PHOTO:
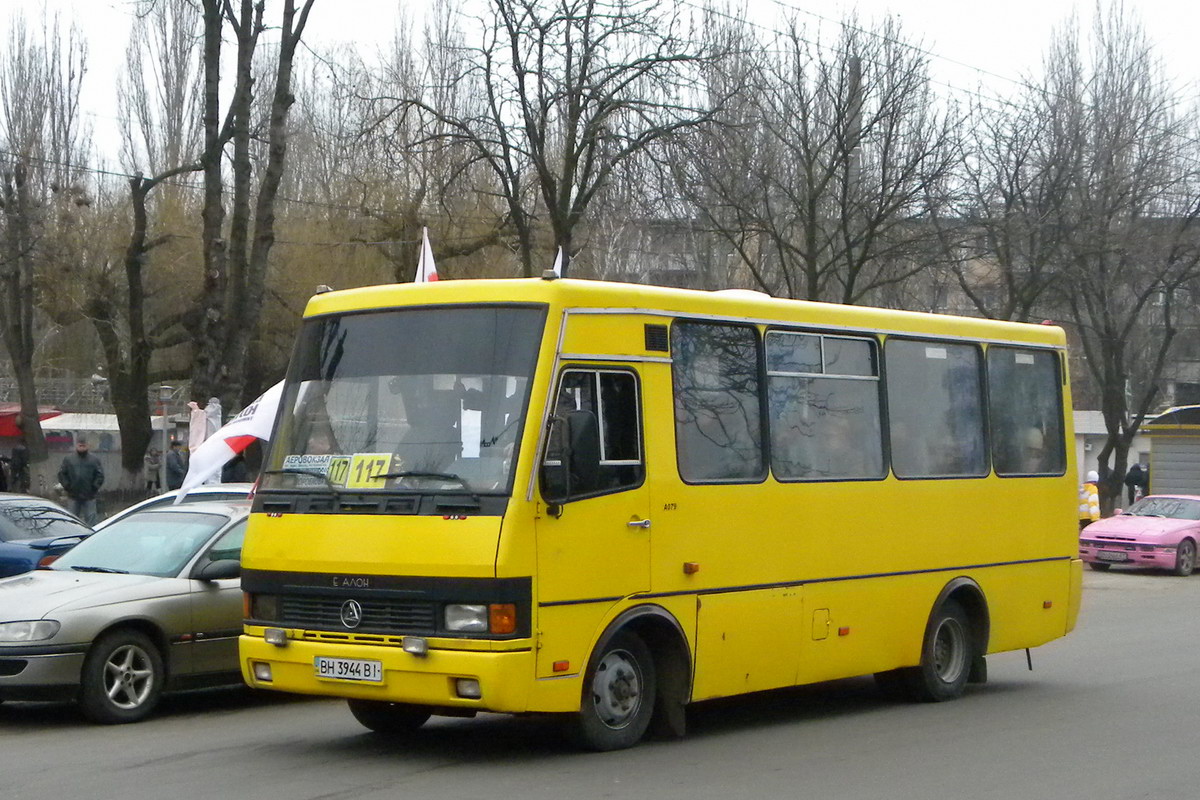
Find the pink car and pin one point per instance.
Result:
(1157, 531)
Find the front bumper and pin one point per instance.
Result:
(1130, 555)
(430, 680)
(40, 672)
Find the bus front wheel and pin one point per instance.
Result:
(618, 695)
(388, 718)
(945, 656)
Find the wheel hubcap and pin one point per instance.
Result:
(949, 651)
(617, 689)
(128, 676)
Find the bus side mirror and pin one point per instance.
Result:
(555, 474)
(577, 469)
(583, 433)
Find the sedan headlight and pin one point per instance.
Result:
(28, 631)
(467, 618)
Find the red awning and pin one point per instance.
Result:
(9, 413)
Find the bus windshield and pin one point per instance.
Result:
(425, 399)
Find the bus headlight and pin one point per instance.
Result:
(498, 618)
(465, 618)
(264, 607)
(28, 631)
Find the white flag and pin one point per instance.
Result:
(557, 268)
(426, 269)
(254, 422)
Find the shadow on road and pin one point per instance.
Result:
(203, 701)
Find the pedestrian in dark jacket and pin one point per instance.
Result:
(81, 476)
(1137, 482)
(236, 470)
(19, 468)
(176, 469)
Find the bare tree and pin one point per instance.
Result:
(1001, 234)
(236, 260)
(568, 91)
(40, 171)
(404, 170)
(159, 95)
(823, 185)
(1130, 220)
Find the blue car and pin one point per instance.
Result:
(33, 529)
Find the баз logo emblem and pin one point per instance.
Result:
(351, 614)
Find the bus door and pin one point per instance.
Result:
(593, 538)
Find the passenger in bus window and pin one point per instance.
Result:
(1033, 451)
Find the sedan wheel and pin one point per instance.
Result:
(1185, 558)
(122, 678)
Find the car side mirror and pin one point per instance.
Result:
(220, 570)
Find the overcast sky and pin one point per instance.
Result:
(975, 40)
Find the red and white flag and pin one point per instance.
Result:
(426, 269)
(254, 422)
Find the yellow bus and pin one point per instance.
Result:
(610, 501)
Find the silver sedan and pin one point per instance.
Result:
(152, 602)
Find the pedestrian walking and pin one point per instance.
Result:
(153, 461)
(81, 476)
(176, 469)
(1137, 483)
(18, 467)
(1089, 500)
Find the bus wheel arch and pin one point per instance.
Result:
(967, 593)
(954, 644)
(667, 647)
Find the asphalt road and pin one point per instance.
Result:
(1108, 712)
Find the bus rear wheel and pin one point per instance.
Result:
(388, 718)
(618, 695)
(945, 656)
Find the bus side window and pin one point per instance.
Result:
(1025, 407)
(597, 416)
(935, 409)
(718, 402)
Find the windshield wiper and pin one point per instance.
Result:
(101, 569)
(441, 476)
(410, 473)
(297, 471)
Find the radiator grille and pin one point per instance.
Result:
(378, 615)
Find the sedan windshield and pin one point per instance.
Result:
(146, 543)
(1171, 507)
(422, 399)
(23, 520)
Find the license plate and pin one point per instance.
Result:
(1111, 555)
(349, 669)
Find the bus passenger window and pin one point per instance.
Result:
(823, 398)
(1025, 408)
(718, 424)
(935, 409)
(599, 414)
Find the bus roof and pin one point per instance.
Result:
(566, 293)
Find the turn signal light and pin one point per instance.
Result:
(502, 618)
(46, 561)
